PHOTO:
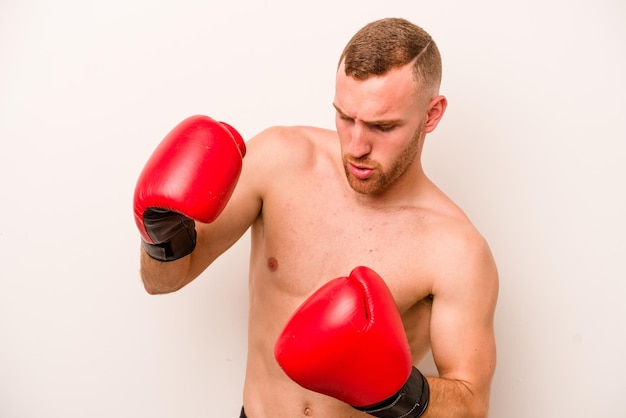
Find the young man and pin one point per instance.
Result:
(320, 203)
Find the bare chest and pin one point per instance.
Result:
(307, 239)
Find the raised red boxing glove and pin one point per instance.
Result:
(347, 341)
(190, 176)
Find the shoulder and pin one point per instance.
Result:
(291, 143)
(464, 268)
(460, 259)
(280, 157)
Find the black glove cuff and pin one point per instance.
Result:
(409, 402)
(172, 250)
(174, 235)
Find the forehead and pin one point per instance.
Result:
(387, 96)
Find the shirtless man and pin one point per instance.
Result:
(321, 202)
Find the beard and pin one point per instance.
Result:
(381, 179)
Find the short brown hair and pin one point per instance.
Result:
(390, 43)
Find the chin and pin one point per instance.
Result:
(364, 187)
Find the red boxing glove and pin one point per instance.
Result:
(189, 176)
(347, 341)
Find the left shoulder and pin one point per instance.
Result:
(446, 256)
(464, 267)
(462, 245)
(459, 259)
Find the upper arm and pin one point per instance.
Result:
(462, 332)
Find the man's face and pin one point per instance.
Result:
(380, 125)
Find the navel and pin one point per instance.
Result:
(272, 264)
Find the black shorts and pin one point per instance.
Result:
(243, 414)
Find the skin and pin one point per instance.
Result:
(321, 202)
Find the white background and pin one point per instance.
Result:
(532, 147)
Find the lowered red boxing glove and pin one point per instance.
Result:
(190, 176)
(347, 341)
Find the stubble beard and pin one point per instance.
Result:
(382, 179)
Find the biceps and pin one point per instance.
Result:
(215, 238)
(462, 340)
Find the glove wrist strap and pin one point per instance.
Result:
(179, 247)
(173, 235)
(409, 402)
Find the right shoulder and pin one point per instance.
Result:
(290, 148)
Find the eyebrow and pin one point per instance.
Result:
(381, 122)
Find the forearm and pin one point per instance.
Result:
(455, 399)
(164, 277)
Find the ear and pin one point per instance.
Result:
(436, 109)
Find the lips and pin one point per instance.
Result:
(360, 172)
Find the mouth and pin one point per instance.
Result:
(359, 171)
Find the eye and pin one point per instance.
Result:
(344, 117)
(384, 128)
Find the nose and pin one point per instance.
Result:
(360, 145)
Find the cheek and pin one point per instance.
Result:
(343, 132)
(397, 150)
(341, 124)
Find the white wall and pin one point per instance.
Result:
(532, 147)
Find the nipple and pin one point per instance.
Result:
(272, 264)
